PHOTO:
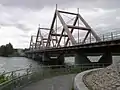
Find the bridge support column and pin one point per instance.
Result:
(53, 60)
(38, 57)
(45, 57)
(80, 58)
(106, 58)
(33, 56)
(60, 60)
(29, 56)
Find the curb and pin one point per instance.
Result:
(79, 81)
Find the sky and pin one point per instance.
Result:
(19, 19)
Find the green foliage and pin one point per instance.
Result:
(9, 49)
(3, 78)
(6, 50)
(72, 88)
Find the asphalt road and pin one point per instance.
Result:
(56, 83)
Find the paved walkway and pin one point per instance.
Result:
(56, 83)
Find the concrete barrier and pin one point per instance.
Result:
(78, 81)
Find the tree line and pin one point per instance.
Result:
(6, 50)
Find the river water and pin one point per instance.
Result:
(15, 63)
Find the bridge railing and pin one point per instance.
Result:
(17, 79)
(104, 37)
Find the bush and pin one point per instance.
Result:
(3, 78)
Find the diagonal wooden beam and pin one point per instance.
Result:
(72, 29)
(85, 37)
(52, 41)
(49, 36)
(66, 28)
(41, 38)
(31, 42)
(87, 25)
(58, 44)
(37, 38)
(56, 38)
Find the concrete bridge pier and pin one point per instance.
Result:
(60, 60)
(37, 57)
(45, 58)
(53, 60)
(106, 58)
(31, 56)
(28, 55)
(80, 58)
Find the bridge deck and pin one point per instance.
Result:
(81, 46)
(62, 36)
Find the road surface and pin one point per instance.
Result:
(64, 82)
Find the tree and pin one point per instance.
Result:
(9, 49)
(2, 50)
(6, 50)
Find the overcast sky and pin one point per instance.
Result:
(19, 19)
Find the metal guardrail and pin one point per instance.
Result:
(104, 37)
(15, 80)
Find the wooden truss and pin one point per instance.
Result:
(68, 29)
(54, 39)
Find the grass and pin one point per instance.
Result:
(3, 78)
(72, 89)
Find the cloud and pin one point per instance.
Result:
(20, 18)
(38, 4)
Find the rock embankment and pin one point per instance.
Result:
(104, 79)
